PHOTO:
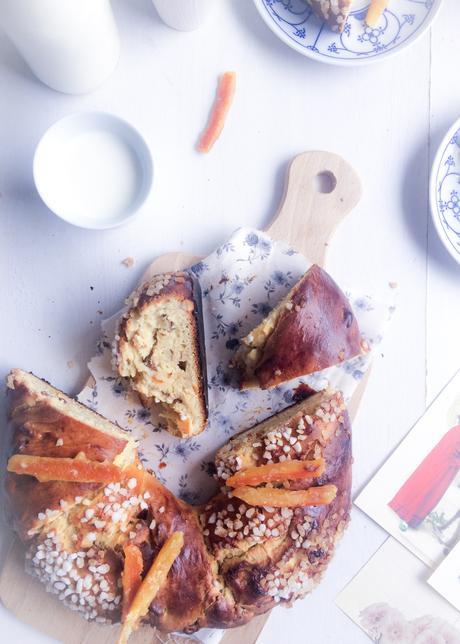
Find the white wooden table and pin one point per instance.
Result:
(386, 119)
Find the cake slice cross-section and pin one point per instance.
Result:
(159, 348)
(311, 329)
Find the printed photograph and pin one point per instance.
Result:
(391, 601)
(446, 577)
(415, 496)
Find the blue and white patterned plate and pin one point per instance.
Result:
(401, 24)
(445, 191)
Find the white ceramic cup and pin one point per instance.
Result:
(70, 45)
(184, 15)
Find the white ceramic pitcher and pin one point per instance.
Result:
(185, 15)
(70, 45)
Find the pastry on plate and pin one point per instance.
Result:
(112, 543)
(335, 12)
(159, 348)
(312, 328)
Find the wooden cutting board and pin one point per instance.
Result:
(306, 220)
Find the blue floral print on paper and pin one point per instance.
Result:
(185, 493)
(240, 283)
(185, 448)
(199, 268)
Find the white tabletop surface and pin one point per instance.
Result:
(386, 119)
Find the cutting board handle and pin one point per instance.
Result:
(321, 189)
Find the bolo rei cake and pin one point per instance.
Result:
(114, 544)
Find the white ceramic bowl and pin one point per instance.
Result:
(93, 169)
(401, 24)
(445, 191)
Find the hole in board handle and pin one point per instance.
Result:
(325, 182)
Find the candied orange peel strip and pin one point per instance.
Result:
(375, 11)
(151, 584)
(76, 470)
(279, 498)
(224, 98)
(131, 576)
(277, 472)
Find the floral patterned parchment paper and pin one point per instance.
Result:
(241, 282)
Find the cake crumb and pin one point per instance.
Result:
(128, 262)
(70, 364)
(393, 284)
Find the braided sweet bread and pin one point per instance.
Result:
(86, 510)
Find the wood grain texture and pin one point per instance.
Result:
(306, 219)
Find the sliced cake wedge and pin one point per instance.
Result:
(160, 349)
(45, 422)
(311, 329)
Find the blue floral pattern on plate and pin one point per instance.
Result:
(241, 282)
(445, 191)
(401, 23)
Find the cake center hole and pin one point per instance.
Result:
(325, 182)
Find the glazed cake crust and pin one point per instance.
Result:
(75, 533)
(238, 560)
(314, 328)
(273, 555)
